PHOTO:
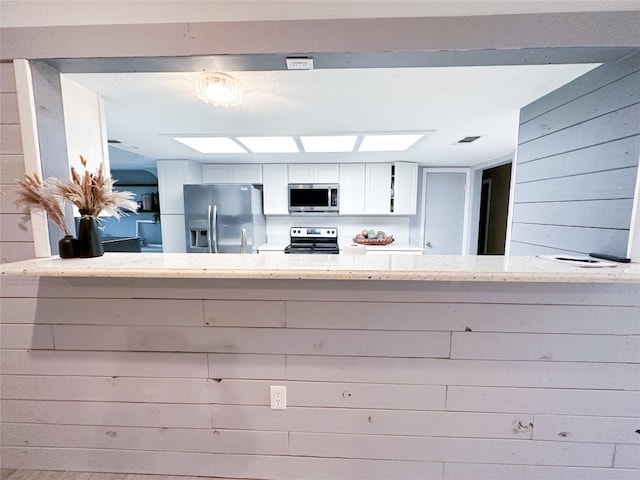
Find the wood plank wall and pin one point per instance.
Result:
(576, 164)
(385, 380)
(16, 238)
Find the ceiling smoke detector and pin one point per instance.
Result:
(469, 139)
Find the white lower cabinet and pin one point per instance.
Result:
(275, 181)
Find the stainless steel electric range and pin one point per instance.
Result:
(313, 240)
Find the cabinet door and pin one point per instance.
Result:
(275, 191)
(217, 173)
(227, 173)
(246, 174)
(314, 173)
(405, 188)
(378, 189)
(326, 173)
(172, 175)
(173, 233)
(352, 191)
(301, 173)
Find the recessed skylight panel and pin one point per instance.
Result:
(328, 143)
(388, 143)
(211, 144)
(270, 144)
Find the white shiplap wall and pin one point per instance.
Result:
(576, 165)
(16, 238)
(384, 380)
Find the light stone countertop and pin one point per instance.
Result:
(323, 267)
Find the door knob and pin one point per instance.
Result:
(428, 244)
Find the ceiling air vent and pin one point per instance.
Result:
(468, 139)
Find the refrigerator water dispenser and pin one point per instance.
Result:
(198, 232)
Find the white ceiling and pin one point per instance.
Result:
(144, 110)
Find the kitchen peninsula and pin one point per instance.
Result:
(394, 366)
(326, 267)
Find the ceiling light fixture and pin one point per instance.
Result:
(211, 144)
(388, 143)
(219, 89)
(269, 144)
(328, 143)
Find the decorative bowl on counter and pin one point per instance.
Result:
(380, 238)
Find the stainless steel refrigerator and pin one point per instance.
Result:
(224, 218)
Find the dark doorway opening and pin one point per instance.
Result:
(494, 207)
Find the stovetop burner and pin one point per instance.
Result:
(313, 240)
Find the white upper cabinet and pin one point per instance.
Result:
(405, 188)
(365, 189)
(172, 175)
(352, 189)
(314, 173)
(378, 189)
(275, 189)
(229, 173)
(391, 188)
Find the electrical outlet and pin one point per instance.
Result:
(278, 397)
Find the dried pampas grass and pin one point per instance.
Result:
(92, 193)
(35, 193)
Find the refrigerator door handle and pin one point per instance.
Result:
(214, 225)
(243, 240)
(209, 217)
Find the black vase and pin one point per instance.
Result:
(89, 240)
(68, 247)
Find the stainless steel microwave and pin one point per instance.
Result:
(313, 197)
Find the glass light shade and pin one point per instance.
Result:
(219, 89)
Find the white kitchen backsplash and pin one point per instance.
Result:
(348, 227)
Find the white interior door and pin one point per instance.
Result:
(445, 204)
